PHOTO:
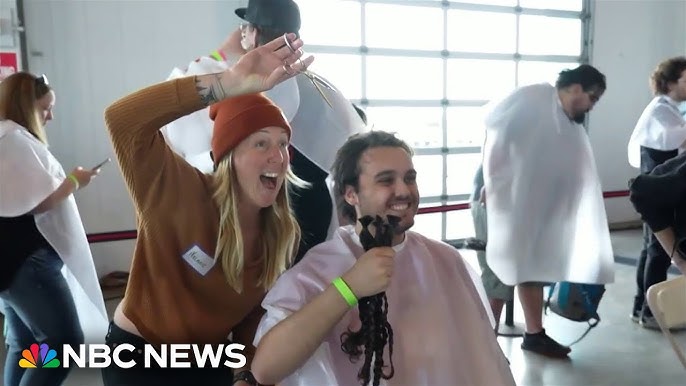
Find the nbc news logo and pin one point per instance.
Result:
(39, 356)
(164, 355)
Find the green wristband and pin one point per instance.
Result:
(218, 56)
(345, 291)
(74, 180)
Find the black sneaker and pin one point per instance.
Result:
(542, 344)
(635, 316)
(649, 322)
(639, 303)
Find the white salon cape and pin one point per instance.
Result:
(660, 127)
(437, 308)
(29, 173)
(318, 130)
(544, 202)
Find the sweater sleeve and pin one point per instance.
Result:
(152, 171)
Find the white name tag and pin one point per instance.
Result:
(199, 260)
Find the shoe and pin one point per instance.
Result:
(542, 344)
(649, 323)
(635, 316)
(639, 303)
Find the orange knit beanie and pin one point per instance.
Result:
(236, 118)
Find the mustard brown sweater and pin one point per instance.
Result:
(167, 299)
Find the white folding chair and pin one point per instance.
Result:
(667, 301)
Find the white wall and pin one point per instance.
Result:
(630, 38)
(97, 51)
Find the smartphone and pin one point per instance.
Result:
(101, 164)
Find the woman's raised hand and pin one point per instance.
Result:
(266, 66)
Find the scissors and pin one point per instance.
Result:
(315, 79)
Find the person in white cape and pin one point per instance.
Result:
(440, 328)
(659, 135)
(48, 282)
(319, 129)
(546, 215)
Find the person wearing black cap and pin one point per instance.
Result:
(267, 20)
(319, 128)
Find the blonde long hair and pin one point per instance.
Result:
(280, 231)
(18, 95)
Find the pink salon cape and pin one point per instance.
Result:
(442, 326)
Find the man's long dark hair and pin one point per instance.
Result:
(585, 75)
(375, 332)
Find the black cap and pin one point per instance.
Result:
(279, 15)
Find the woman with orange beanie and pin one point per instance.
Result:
(209, 245)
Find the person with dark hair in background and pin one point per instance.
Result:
(321, 124)
(41, 236)
(658, 136)
(545, 208)
(436, 323)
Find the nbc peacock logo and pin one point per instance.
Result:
(39, 356)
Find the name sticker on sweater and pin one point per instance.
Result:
(199, 260)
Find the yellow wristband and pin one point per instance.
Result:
(345, 291)
(74, 180)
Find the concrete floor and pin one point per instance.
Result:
(616, 352)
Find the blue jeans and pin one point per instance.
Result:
(39, 308)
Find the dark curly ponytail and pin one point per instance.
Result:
(375, 332)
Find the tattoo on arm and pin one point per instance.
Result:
(210, 88)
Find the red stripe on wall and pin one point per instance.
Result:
(129, 235)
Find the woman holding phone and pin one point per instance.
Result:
(40, 233)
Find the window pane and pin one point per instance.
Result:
(388, 26)
(428, 225)
(536, 32)
(393, 77)
(479, 79)
(466, 126)
(481, 31)
(461, 170)
(510, 3)
(566, 5)
(537, 72)
(342, 30)
(418, 126)
(459, 224)
(343, 71)
(429, 174)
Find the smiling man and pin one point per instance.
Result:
(544, 202)
(442, 329)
